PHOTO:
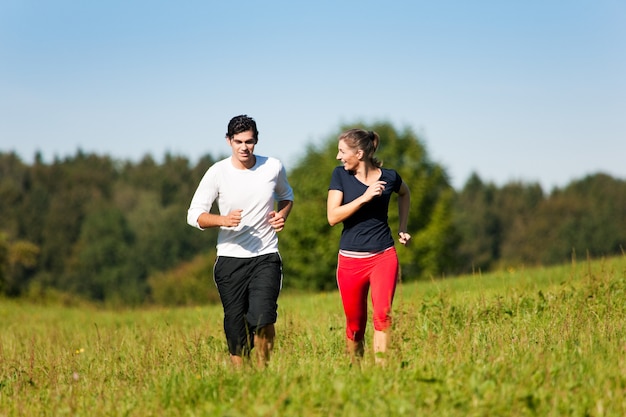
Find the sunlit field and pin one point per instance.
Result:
(546, 342)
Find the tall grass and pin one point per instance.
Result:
(547, 342)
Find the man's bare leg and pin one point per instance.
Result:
(236, 361)
(264, 343)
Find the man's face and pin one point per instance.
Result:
(242, 145)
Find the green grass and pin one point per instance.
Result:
(546, 342)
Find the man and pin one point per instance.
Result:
(248, 269)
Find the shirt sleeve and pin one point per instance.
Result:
(335, 180)
(397, 183)
(283, 191)
(203, 198)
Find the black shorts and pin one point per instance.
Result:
(248, 289)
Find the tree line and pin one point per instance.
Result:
(111, 231)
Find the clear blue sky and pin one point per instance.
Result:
(530, 90)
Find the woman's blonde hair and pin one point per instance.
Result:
(365, 140)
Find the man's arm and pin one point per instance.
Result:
(277, 218)
(206, 220)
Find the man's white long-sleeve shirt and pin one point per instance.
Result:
(253, 190)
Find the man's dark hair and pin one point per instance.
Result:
(242, 123)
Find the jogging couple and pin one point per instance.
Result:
(254, 200)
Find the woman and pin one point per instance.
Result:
(358, 196)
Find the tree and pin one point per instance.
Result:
(586, 217)
(14, 258)
(517, 205)
(100, 267)
(308, 244)
(478, 224)
(13, 176)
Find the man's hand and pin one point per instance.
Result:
(233, 218)
(277, 221)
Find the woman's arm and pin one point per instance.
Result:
(336, 212)
(404, 204)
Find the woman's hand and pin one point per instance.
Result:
(404, 237)
(374, 190)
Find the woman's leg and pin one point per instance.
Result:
(355, 349)
(353, 288)
(383, 283)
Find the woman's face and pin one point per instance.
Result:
(349, 157)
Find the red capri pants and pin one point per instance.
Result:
(355, 276)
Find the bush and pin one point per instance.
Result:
(189, 284)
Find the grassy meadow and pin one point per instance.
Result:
(545, 342)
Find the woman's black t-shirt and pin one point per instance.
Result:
(367, 229)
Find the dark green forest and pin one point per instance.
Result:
(89, 227)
